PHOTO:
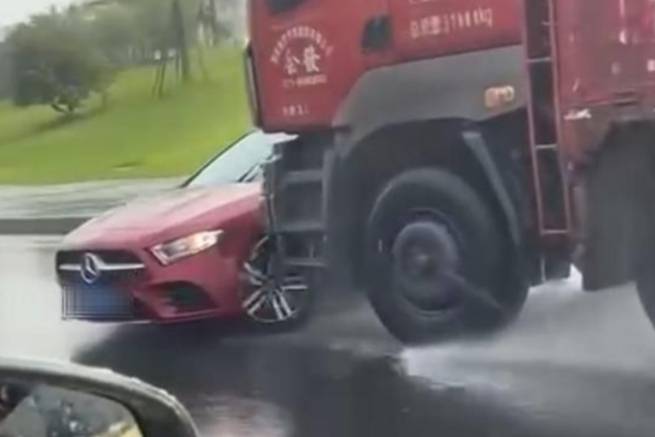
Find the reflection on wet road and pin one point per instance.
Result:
(573, 364)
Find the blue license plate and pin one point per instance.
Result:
(96, 303)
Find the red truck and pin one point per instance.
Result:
(452, 153)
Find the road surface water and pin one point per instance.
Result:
(573, 364)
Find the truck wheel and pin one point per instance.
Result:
(437, 262)
(645, 273)
(646, 290)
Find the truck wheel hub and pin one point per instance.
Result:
(425, 257)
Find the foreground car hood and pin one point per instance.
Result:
(172, 212)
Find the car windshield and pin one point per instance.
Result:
(239, 162)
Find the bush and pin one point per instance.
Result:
(56, 62)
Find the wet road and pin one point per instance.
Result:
(573, 364)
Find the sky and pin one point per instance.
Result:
(15, 11)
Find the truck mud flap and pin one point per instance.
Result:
(619, 212)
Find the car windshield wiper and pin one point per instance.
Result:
(248, 174)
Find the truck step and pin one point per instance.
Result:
(546, 147)
(312, 263)
(548, 232)
(541, 60)
(303, 177)
(301, 227)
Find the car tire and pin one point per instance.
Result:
(437, 262)
(276, 304)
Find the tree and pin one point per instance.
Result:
(5, 71)
(115, 31)
(180, 40)
(155, 25)
(56, 62)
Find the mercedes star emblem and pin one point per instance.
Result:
(90, 270)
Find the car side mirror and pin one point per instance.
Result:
(51, 399)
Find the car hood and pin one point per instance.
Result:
(169, 214)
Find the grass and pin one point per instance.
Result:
(135, 136)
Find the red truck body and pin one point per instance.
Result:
(606, 67)
(309, 59)
(545, 108)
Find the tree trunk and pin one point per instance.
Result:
(181, 40)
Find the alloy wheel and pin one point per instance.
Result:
(268, 300)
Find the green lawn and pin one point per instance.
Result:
(135, 136)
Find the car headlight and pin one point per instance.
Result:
(168, 253)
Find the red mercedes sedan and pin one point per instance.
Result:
(198, 251)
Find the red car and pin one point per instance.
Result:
(198, 251)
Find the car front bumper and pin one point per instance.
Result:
(202, 286)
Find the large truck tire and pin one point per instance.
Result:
(646, 289)
(645, 264)
(620, 214)
(645, 259)
(437, 259)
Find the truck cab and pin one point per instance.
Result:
(451, 153)
(310, 56)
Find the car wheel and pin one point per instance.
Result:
(280, 302)
(437, 260)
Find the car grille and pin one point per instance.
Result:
(108, 256)
(107, 278)
(68, 265)
(94, 284)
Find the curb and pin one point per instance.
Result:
(40, 226)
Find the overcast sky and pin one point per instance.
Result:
(15, 11)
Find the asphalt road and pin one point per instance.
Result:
(574, 364)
